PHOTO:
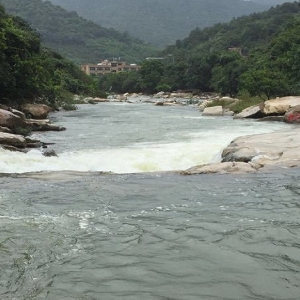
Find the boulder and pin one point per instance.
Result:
(49, 153)
(10, 120)
(5, 129)
(15, 140)
(250, 112)
(292, 115)
(97, 100)
(46, 127)
(204, 104)
(18, 113)
(228, 113)
(280, 106)
(36, 111)
(213, 111)
(277, 148)
(121, 98)
(221, 168)
(13, 149)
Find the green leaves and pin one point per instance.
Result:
(29, 72)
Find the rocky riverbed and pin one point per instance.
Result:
(16, 125)
(244, 154)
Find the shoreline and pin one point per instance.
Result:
(245, 154)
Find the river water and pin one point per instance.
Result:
(72, 232)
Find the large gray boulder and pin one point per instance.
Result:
(277, 148)
(250, 112)
(251, 153)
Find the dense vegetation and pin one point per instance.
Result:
(160, 22)
(79, 40)
(258, 54)
(30, 72)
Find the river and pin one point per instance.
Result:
(73, 232)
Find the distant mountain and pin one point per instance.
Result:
(271, 2)
(75, 37)
(160, 22)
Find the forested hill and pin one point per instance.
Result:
(271, 2)
(257, 55)
(78, 39)
(160, 22)
(245, 33)
(29, 72)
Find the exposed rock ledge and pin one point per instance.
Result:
(248, 154)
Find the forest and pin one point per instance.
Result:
(159, 22)
(31, 72)
(76, 38)
(257, 54)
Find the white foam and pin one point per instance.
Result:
(172, 146)
(138, 158)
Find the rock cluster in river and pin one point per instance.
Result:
(252, 153)
(15, 127)
(244, 154)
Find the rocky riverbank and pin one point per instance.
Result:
(249, 154)
(16, 125)
(245, 154)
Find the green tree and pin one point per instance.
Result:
(151, 74)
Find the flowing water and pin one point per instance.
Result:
(73, 232)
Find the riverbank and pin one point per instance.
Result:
(252, 153)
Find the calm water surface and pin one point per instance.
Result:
(73, 235)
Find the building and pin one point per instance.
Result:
(107, 66)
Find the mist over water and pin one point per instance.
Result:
(129, 138)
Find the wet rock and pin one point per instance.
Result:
(240, 153)
(13, 149)
(221, 168)
(292, 115)
(49, 153)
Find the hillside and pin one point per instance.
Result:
(159, 22)
(78, 39)
(29, 72)
(256, 55)
(245, 32)
(271, 2)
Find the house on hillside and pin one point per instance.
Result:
(107, 66)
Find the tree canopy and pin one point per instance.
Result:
(257, 53)
(31, 72)
(76, 38)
